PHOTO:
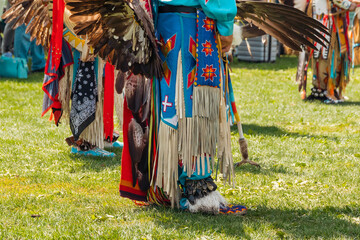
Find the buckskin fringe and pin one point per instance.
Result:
(197, 135)
(65, 92)
(224, 148)
(205, 128)
(185, 125)
(187, 151)
(167, 163)
(94, 133)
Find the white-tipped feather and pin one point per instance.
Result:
(237, 35)
(300, 4)
(357, 11)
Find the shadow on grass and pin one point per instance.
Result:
(264, 169)
(197, 224)
(253, 129)
(98, 164)
(346, 103)
(323, 222)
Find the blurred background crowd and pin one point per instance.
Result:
(17, 42)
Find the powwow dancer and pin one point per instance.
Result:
(356, 38)
(178, 119)
(330, 64)
(73, 81)
(193, 91)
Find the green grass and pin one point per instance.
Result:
(308, 186)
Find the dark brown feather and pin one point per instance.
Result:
(134, 90)
(137, 141)
(251, 31)
(115, 34)
(120, 82)
(35, 15)
(289, 25)
(301, 74)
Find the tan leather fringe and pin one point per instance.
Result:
(167, 163)
(65, 92)
(206, 115)
(203, 128)
(224, 148)
(197, 135)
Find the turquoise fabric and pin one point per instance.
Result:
(195, 176)
(223, 11)
(13, 67)
(95, 152)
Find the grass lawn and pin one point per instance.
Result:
(308, 186)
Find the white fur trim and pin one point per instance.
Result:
(208, 204)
